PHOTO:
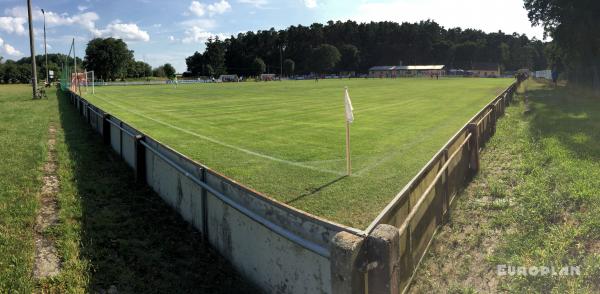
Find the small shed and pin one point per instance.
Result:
(393, 71)
(486, 70)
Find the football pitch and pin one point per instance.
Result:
(287, 139)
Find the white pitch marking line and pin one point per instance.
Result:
(298, 164)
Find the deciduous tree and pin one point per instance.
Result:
(324, 58)
(108, 58)
(258, 66)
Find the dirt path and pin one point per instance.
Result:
(47, 261)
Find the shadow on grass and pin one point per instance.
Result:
(572, 117)
(316, 190)
(131, 238)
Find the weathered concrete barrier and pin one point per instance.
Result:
(280, 248)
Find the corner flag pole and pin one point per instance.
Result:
(349, 120)
(348, 160)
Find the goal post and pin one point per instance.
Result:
(90, 81)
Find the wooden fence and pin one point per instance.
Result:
(424, 203)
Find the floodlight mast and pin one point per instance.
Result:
(281, 49)
(46, 50)
(32, 49)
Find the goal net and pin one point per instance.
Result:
(89, 82)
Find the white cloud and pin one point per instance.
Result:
(205, 24)
(199, 35)
(256, 3)
(41, 46)
(53, 19)
(86, 20)
(13, 25)
(17, 11)
(82, 8)
(487, 15)
(197, 8)
(125, 31)
(8, 49)
(200, 9)
(310, 3)
(219, 7)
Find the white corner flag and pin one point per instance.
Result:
(349, 108)
(349, 120)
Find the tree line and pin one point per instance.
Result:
(19, 71)
(351, 46)
(109, 58)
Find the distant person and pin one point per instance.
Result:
(555, 77)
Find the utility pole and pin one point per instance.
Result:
(46, 50)
(32, 49)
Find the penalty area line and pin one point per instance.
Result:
(215, 141)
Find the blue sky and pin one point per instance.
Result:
(168, 31)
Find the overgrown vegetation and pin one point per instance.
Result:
(536, 202)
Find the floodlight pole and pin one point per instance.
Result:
(281, 49)
(32, 49)
(46, 49)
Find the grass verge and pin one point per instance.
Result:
(535, 202)
(23, 136)
(111, 234)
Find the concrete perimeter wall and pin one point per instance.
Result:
(279, 248)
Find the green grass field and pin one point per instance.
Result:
(287, 139)
(23, 140)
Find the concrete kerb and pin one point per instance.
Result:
(383, 246)
(348, 263)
